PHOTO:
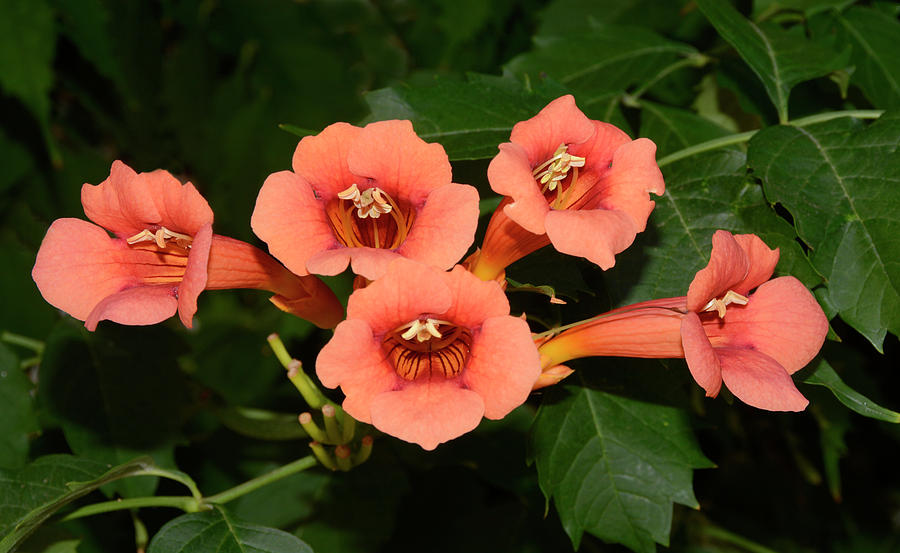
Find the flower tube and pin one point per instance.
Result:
(162, 254)
(735, 326)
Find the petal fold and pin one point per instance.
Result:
(428, 412)
(503, 365)
(758, 380)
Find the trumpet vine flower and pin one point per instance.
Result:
(365, 196)
(161, 255)
(425, 354)
(735, 326)
(579, 184)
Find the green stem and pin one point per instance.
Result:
(740, 138)
(185, 503)
(17, 339)
(191, 504)
(260, 481)
(732, 538)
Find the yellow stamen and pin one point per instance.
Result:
(422, 330)
(718, 305)
(550, 173)
(369, 203)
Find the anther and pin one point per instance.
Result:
(160, 237)
(719, 305)
(368, 203)
(422, 330)
(555, 169)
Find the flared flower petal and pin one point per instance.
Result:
(408, 290)
(364, 197)
(398, 161)
(700, 356)
(425, 354)
(449, 218)
(195, 275)
(761, 262)
(728, 266)
(503, 365)
(595, 234)
(560, 162)
(127, 203)
(428, 413)
(141, 305)
(782, 320)
(289, 218)
(321, 160)
(758, 380)
(78, 265)
(560, 122)
(353, 360)
(510, 174)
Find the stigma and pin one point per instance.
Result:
(718, 305)
(371, 202)
(555, 169)
(162, 237)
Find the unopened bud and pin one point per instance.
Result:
(342, 455)
(306, 421)
(365, 450)
(322, 455)
(552, 376)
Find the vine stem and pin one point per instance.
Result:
(260, 481)
(734, 539)
(740, 138)
(191, 504)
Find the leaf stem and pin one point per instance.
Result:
(191, 504)
(185, 503)
(693, 60)
(740, 138)
(24, 341)
(260, 481)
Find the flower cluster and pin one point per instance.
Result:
(428, 346)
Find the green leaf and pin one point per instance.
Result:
(27, 41)
(781, 59)
(17, 415)
(85, 23)
(593, 64)
(114, 398)
(673, 129)
(704, 193)
(873, 36)
(29, 496)
(839, 181)
(825, 375)
(469, 118)
(563, 17)
(614, 466)
(217, 531)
